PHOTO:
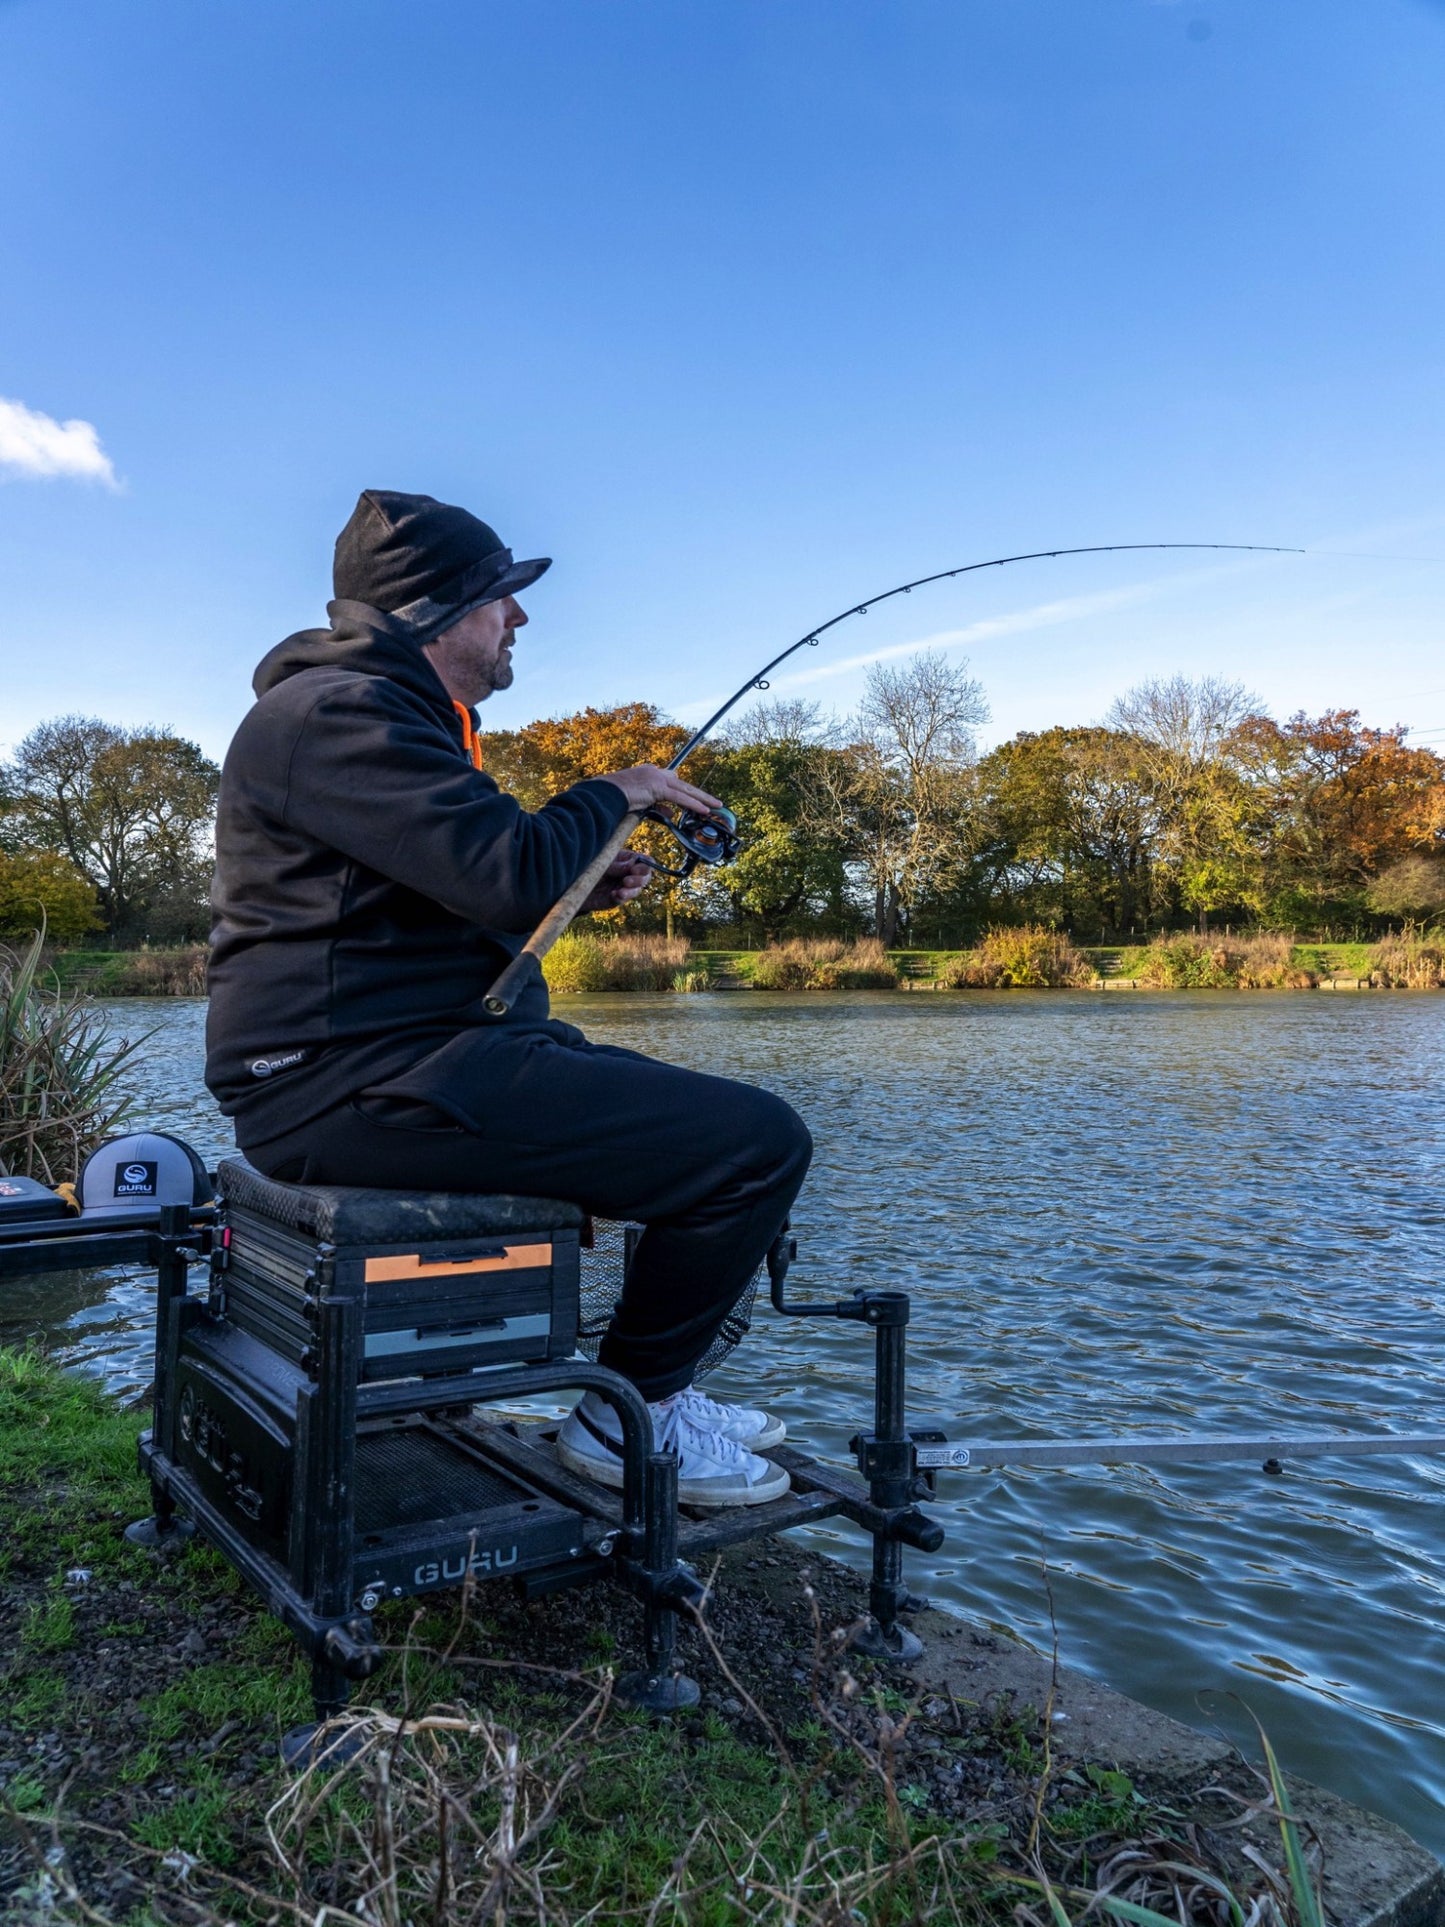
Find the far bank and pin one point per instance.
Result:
(1028, 957)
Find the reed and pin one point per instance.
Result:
(160, 973)
(1187, 961)
(1026, 956)
(823, 964)
(580, 962)
(59, 1072)
(1411, 961)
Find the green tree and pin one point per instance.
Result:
(1072, 830)
(1187, 736)
(792, 866)
(40, 889)
(132, 810)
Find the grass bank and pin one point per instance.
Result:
(132, 973)
(142, 1698)
(1010, 957)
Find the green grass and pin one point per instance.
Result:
(49, 1625)
(692, 1822)
(204, 1698)
(199, 1820)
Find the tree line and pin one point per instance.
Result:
(1188, 804)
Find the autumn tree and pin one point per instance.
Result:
(543, 758)
(1184, 733)
(131, 810)
(1341, 804)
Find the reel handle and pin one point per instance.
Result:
(528, 960)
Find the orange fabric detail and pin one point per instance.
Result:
(470, 742)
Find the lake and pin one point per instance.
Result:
(1147, 1213)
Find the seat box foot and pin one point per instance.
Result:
(159, 1535)
(320, 1746)
(658, 1692)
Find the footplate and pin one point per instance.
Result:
(431, 1512)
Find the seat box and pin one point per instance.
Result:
(446, 1283)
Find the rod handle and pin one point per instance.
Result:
(528, 960)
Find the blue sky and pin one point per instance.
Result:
(742, 310)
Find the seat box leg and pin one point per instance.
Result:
(310, 1745)
(658, 1687)
(163, 1529)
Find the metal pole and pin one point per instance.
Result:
(890, 1476)
(958, 1455)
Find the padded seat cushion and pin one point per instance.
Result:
(341, 1215)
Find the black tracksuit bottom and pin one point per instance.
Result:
(709, 1166)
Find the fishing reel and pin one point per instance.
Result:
(704, 836)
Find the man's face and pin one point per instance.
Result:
(474, 656)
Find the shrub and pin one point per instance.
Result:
(580, 961)
(823, 964)
(1188, 961)
(1024, 957)
(1413, 887)
(1409, 962)
(58, 1073)
(159, 973)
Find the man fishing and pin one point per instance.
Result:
(371, 883)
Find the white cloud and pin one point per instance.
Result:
(35, 445)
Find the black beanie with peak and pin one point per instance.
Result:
(423, 561)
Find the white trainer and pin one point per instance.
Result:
(712, 1470)
(743, 1424)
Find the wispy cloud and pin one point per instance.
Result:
(1039, 615)
(1043, 615)
(38, 447)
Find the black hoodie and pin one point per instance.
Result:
(370, 883)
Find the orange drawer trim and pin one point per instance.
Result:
(408, 1264)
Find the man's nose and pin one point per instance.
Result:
(517, 616)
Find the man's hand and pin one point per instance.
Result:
(627, 877)
(647, 784)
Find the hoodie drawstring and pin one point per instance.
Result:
(471, 742)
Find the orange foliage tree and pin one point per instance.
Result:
(1344, 802)
(543, 758)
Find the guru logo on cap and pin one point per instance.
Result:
(136, 1178)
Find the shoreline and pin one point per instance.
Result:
(140, 1709)
(142, 975)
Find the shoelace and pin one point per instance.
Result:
(704, 1408)
(675, 1427)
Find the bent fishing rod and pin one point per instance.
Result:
(712, 838)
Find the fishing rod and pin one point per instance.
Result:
(711, 837)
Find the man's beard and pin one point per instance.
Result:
(498, 674)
